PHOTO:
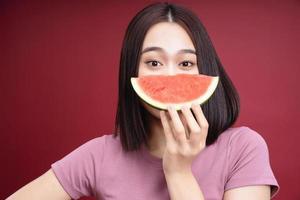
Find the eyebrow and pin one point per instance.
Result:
(181, 51)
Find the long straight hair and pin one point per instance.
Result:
(221, 110)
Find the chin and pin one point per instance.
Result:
(153, 111)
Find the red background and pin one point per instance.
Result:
(59, 73)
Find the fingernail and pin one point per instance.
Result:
(161, 113)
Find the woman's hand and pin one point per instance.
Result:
(182, 146)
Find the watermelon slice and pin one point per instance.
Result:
(179, 90)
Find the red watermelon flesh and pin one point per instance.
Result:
(174, 89)
(180, 89)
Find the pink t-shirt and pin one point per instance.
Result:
(101, 169)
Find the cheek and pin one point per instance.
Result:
(155, 113)
(144, 71)
(140, 70)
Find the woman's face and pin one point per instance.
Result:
(167, 50)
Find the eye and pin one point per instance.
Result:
(186, 63)
(154, 63)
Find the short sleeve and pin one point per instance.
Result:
(76, 171)
(249, 161)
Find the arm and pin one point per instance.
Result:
(181, 182)
(250, 175)
(45, 187)
(183, 186)
(258, 192)
(181, 150)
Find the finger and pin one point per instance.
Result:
(192, 123)
(201, 120)
(185, 125)
(179, 130)
(167, 129)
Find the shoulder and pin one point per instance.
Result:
(93, 144)
(241, 137)
(105, 144)
(241, 142)
(94, 147)
(248, 160)
(244, 144)
(101, 140)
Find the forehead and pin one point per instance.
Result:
(169, 36)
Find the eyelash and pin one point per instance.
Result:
(192, 64)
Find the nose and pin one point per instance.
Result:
(171, 70)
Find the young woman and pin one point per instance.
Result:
(194, 153)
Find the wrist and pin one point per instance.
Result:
(181, 172)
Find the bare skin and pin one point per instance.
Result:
(45, 187)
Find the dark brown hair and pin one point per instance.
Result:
(221, 110)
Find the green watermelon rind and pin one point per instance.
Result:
(163, 106)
